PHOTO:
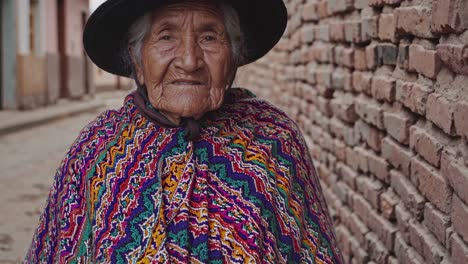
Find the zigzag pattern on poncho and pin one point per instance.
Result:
(130, 191)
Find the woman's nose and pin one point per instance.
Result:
(190, 57)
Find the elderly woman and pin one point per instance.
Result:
(189, 170)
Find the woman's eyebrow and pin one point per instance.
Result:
(211, 26)
(165, 25)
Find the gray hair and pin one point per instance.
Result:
(142, 26)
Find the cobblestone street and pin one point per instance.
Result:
(28, 160)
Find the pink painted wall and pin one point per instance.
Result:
(51, 30)
(74, 26)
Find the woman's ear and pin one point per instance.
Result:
(137, 67)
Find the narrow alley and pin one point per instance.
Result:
(27, 167)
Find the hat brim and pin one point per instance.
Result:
(262, 21)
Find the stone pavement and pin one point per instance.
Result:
(29, 155)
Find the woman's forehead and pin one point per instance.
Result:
(205, 11)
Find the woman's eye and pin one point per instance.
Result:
(165, 37)
(209, 38)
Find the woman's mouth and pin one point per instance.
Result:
(186, 82)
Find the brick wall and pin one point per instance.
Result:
(380, 90)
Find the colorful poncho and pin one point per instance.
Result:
(130, 191)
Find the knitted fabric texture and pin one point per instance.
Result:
(130, 191)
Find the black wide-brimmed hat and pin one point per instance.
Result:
(105, 36)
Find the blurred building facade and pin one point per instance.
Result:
(42, 56)
(104, 81)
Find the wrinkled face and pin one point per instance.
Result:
(186, 60)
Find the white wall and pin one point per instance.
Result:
(23, 27)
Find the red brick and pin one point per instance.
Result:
(392, 2)
(350, 136)
(440, 112)
(322, 52)
(348, 175)
(343, 107)
(405, 253)
(371, 190)
(397, 123)
(402, 217)
(426, 144)
(323, 76)
(403, 56)
(342, 80)
(324, 91)
(387, 54)
(343, 235)
(424, 243)
(357, 228)
(459, 215)
(410, 197)
(315, 133)
(431, 184)
(339, 150)
(336, 128)
(376, 3)
(294, 22)
(339, 6)
(341, 190)
(413, 95)
(359, 254)
(369, 27)
(360, 4)
(387, 27)
(398, 156)
(337, 31)
(436, 222)
(360, 62)
(344, 56)
(415, 20)
(380, 168)
(455, 57)
(323, 32)
(457, 175)
(362, 157)
(376, 249)
(426, 62)
(326, 142)
(307, 33)
(383, 88)
(371, 56)
(383, 228)
(310, 76)
(323, 172)
(351, 159)
(309, 11)
(310, 95)
(361, 207)
(319, 118)
(449, 16)
(322, 9)
(371, 135)
(388, 201)
(461, 118)
(459, 250)
(370, 111)
(362, 82)
(353, 31)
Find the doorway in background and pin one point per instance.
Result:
(63, 65)
(1, 54)
(86, 65)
